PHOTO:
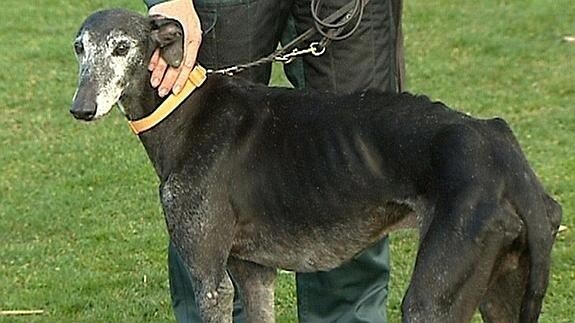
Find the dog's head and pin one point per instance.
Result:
(113, 48)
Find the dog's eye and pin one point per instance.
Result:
(121, 49)
(78, 48)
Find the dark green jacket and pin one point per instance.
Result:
(151, 3)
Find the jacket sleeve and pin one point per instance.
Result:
(151, 3)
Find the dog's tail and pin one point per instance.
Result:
(541, 215)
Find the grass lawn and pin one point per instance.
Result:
(82, 236)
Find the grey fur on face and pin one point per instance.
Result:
(110, 58)
(108, 67)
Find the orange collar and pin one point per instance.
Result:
(196, 78)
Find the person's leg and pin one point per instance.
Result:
(241, 31)
(354, 292)
(370, 59)
(235, 31)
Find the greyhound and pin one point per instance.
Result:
(254, 178)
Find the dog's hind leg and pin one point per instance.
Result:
(502, 301)
(470, 227)
(256, 284)
(455, 260)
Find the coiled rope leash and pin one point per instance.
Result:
(333, 28)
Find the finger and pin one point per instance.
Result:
(168, 81)
(154, 60)
(181, 79)
(159, 72)
(189, 62)
(192, 52)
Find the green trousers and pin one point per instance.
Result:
(239, 31)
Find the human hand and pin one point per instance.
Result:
(167, 78)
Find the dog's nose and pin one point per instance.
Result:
(83, 111)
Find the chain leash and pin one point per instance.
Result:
(314, 48)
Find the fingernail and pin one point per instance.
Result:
(155, 82)
(163, 92)
(177, 89)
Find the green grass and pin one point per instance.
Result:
(81, 232)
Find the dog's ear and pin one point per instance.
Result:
(168, 35)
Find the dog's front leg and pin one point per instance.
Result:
(214, 301)
(256, 284)
(200, 231)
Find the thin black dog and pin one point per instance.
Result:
(256, 178)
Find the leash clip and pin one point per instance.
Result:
(315, 48)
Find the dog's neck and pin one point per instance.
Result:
(142, 100)
(181, 130)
